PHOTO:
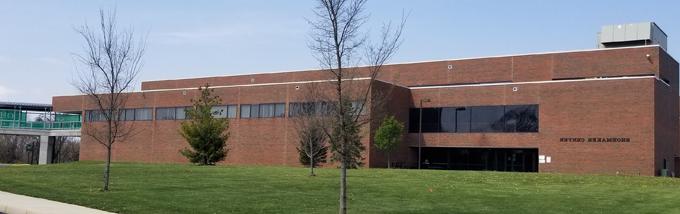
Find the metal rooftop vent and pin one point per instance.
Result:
(636, 34)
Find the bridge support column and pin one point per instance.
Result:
(46, 147)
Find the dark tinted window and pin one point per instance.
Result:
(448, 120)
(515, 118)
(521, 118)
(487, 119)
(462, 119)
(413, 120)
(431, 119)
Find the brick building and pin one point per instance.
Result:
(610, 110)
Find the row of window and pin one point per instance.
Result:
(263, 110)
(511, 118)
(269, 110)
(320, 108)
(126, 114)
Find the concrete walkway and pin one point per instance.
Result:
(11, 203)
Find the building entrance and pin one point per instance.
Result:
(492, 159)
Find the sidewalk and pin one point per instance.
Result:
(11, 203)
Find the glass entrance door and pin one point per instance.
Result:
(482, 159)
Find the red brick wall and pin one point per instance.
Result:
(605, 108)
(531, 67)
(390, 100)
(666, 115)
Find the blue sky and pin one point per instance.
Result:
(207, 38)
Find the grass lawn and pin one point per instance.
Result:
(167, 188)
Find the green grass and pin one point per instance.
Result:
(167, 188)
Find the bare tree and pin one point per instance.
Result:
(309, 120)
(18, 149)
(313, 148)
(65, 149)
(337, 41)
(112, 60)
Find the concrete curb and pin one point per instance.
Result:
(11, 203)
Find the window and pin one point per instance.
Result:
(267, 110)
(231, 111)
(143, 114)
(487, 119)
(359, 105)
(245, 111)
(512, 118)
(254, 111)
(322, 108)
(462, 120)
(94, 115)
(431, 119)
(219, 111)
(271, 110)
(301, 109)
(129, 114)
(521, 118)
(133, 114)
(413, 122)
(448, 120)
(165, 113)
(228, 111)
(280, 110)
(180, 113)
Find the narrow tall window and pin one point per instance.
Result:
(280, 110)
(254, 111)
(231, 111)
(180, 113)
(245, 111)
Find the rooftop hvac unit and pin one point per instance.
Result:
(636, 34)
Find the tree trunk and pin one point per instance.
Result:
(107, 168)
(389, 164)
(343, 187)
(311, 159)
(311, 167)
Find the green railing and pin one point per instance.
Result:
(42, 125)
